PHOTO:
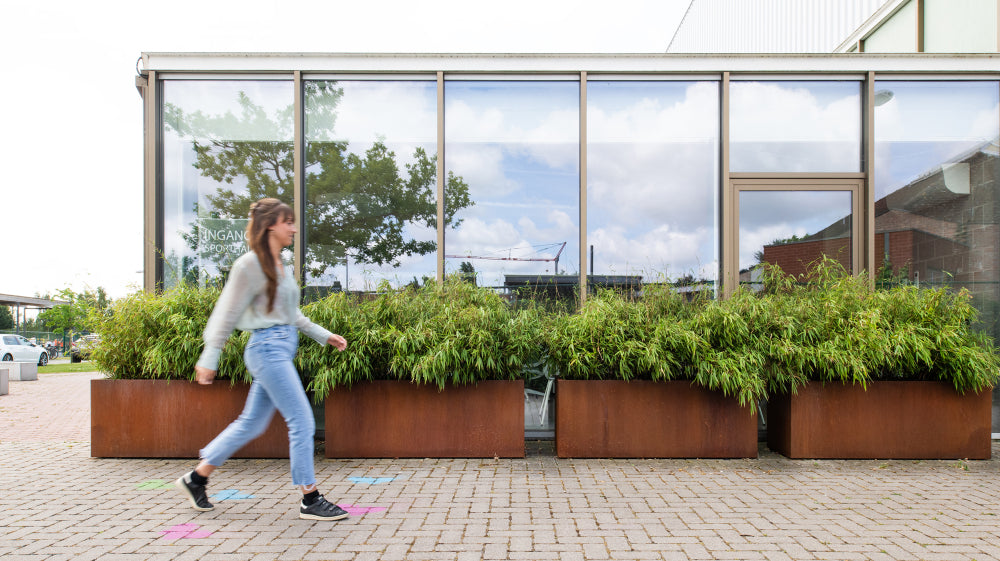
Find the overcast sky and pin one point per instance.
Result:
(72, 119)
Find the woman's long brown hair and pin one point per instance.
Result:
(264, 214)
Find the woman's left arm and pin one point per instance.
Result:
(317, 333)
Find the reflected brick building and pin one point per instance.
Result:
(942, 227)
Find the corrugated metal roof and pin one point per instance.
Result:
(769, 26)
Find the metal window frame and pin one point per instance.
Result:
(798, 183)
(298, 176)
(152, 270)
(440, 178)
(582, 174)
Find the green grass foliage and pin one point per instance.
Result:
(454, 333)
(660, 337)
(159, 336)
(826, 327)
(837, 328)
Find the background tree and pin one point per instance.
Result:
(79, 314)
(6, 318)
(467, 272)
(359, 206)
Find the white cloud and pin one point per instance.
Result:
(660, 251)
(984, 124)
(776, 112)
(491, 126)
(662, 183)
(934, 114)
(481, 167)
(658, 115)
(652, 156)
(397, 111)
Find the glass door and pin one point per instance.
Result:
(791, 223)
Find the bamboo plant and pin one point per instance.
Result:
(827, 326)
(453, 333)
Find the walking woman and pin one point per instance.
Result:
(263, 298)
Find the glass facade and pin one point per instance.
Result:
(226, 143)
(370, 183)
(793, 229)
(663, 176)
(512, 175)
(937, 213)
(513, 160)
(783, 127)
(652, 179)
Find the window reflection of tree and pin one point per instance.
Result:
(357, 205)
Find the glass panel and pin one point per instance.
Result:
(225, 145)
(898, 34)
(516, 147)
(795, 127)
(370, 184)
(792, 229)
(960, 26)
(937, 217)
(653, 176)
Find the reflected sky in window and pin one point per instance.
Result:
(362, 136)
(921, 125)
(767, 217)
(784, 126)
(652, 172)
(220, 117)
(516, 146)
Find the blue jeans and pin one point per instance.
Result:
(276, 386)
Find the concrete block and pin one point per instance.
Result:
(22, 371)
(4, 378)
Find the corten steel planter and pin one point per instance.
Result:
(645, 419)
(396, 419)
(891, 420)
(175, 419)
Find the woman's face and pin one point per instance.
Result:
(283, 232)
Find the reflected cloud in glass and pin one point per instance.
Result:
(926, 124)
(785, 126)
(652, 171)
(370, 185)
(225, 143)
(515, 144)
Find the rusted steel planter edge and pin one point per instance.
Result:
(889, 420)
(171, 419)
(645, 419)
(396, 419)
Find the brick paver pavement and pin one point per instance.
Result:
(56, 502)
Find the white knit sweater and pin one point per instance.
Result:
(243, 306)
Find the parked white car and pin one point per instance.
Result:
(17, 348)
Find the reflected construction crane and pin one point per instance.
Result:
(537, 248)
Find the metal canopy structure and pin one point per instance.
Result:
(21, 304)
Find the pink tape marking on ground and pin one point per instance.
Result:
(184, 531)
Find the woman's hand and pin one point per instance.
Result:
(337, 341)
(203, 375)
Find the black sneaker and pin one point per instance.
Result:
(322, 509)
(194, 492)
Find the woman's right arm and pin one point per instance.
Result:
(243, 284)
